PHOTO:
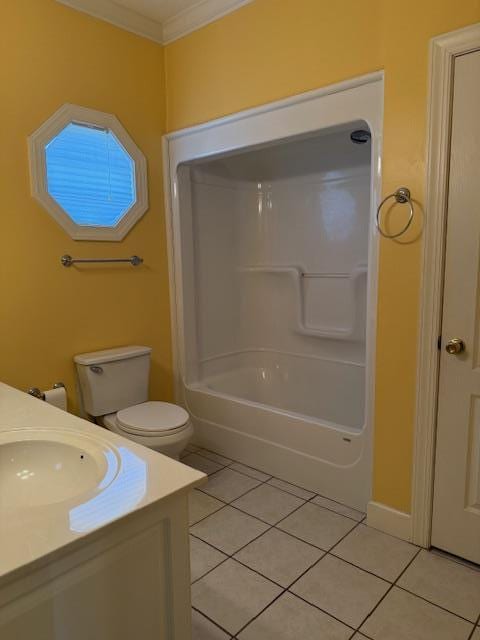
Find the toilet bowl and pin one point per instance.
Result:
(114, 391)
(161, 426)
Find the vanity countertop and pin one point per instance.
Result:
(134, 477)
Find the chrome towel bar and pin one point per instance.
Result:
(402, 196)
(67, 260)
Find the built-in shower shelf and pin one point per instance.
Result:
(298, 274)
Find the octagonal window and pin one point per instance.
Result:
(88, 173)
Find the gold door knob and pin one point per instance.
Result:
(455, 346)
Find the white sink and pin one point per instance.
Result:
(39, 467)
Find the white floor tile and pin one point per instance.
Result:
(317, 526)
(201, 505)
(339, 508)
(229, 529)
(249, 471)
(449, 584)
(377, 552)
(268, 503)
(228, 485)
(289, 618)
(344, 591)
(279, 557)
(232, 595)
(403, 616)
(291, 488)
(203, 558)
(203, 629)
(201, 463)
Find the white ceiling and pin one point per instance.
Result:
(159, 10)
(159, 20)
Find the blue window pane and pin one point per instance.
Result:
(90, 175)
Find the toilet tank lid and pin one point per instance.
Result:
(110, 355)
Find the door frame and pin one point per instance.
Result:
(443, 51)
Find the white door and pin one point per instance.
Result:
(456, 505)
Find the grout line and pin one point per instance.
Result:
(315, 606)
(426, 599)
(260, 612)
(267, 481)
(439, 606)
(324, 554)
(319, 560)
(352, 564)
(270, 526)
(208, 514)
(229, 504)
(475, 626)
(387, 592)
(212, 621)
(202, 452)
(287, 589)
(284, 589)
(260, 483)
(272, 477)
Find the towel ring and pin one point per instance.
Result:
(402, 196)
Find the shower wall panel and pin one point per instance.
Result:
(281, 250)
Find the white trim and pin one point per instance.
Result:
(197, 17)
(119, 16)
(170, 29)
(388, 520)
(332, 106)
(443, 51)
(48, 130)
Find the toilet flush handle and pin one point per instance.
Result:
(96, 369)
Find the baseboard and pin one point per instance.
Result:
(388, 520)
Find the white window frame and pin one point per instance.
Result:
(37, 142)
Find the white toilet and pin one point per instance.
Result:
(114, 391)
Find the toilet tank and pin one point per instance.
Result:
(113, 379)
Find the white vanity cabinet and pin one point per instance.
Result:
(66, 574)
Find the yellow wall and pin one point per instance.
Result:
(265, 51)
(275, 48)
(50, 55)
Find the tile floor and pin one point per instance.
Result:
(272, 561)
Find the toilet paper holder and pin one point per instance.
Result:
(36, 393)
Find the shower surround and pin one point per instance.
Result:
(272, 274)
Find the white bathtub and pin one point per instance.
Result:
(289, 415)
(307, 387)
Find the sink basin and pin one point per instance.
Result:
(39, 467)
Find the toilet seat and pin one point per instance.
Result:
(152, 419)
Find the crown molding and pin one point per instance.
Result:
(173, 28)
(198, 16)
(119, 16)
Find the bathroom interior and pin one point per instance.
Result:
(238, 381)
